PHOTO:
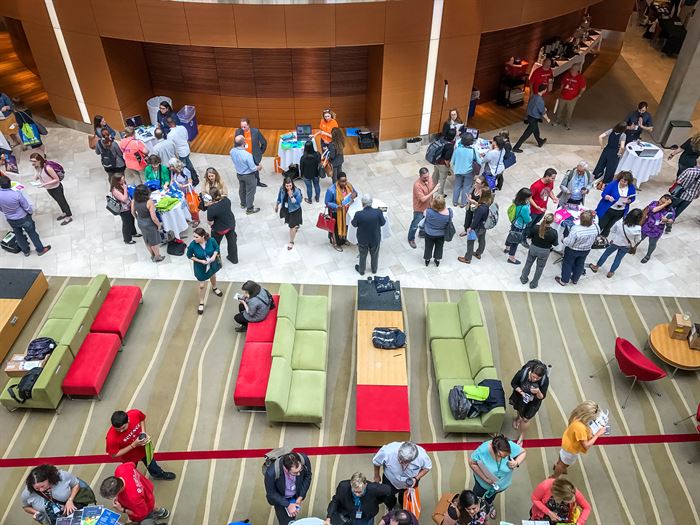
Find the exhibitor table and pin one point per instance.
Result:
(642, 168)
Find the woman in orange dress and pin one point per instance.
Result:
(327, 124)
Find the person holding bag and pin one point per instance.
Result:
(338, 199)
(155, 171)
(143, 209)
(657, 215)
(119, 190)
(558, 500)
(625, 235)
(493, 163)
(519, 215)
(135, 154)
(437, 221)
(50, 493)
(543, 238)
(334, 152)
(477, 228)
(45, 173)
(181, 180)
(530, 385)
(356, 501)
(203, 251)
(615, 201)
(578, 245)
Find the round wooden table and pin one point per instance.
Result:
(675, 352)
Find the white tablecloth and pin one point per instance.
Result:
(357, 206)
(290, 156)
(145, 135)
(642, 168)
(175, 220)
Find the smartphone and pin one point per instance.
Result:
(143, 436)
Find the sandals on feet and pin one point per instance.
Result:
(200, 308)
(217, 292)
(67, 220)
(290, 245)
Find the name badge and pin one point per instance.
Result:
(358, 514)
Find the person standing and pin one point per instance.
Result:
(492, 464)
(163, 147)
(18, 213)
(179, 137)
(443, 165)
(530, 385)
(543, 75)
(287, 481)
(612, 151)
(246, 171)
(132, 493)
(577, 183)
(223, 223)
(578, 437)
(369, 222)
(99, 123)
(480, 185)
(325, 128)
(253, 305)
(288, 206)
(463, 160)
(624, 237)
(119, 190)
(578, 245)
(339, 197)
(7, 119)
(519, 223)
(45, 173)
(126, 441)
(638, 121)
(494, 161)
(143, 209)
(158, 172)
(335, 151)
(615, 201)
(356, 501)
(543, 239)
(310, 170)
(454, 122)
(657, 215)
(255, 144)
(542, 191)
(181, 180)
(437, 217)
(689, 183)
(689, 151)
(203, 251)
(476, 230)
(573, 84)
(423, 190)
(559, 501)
(111, 156)
(536, 112)
(399, 466)
(165, 111)
(135, 153)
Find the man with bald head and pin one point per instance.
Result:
(247, 171)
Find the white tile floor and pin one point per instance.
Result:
(93, 244)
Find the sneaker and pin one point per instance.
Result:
(161, 513)
(241, 328)
(517, 150)
(437, 262)
(610, 274)
(251, 211)
(166, 476)
(27, 254)
(243, 206)
(357, 269)
(412, 244)
(645, 260)
(558, 279)
(42, 252)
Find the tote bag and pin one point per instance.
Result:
(411, 501)
(326, 222)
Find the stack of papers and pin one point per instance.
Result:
(91, 515)
(600, 422)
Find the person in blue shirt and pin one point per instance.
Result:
(638, 121)
(246, 171)
(289, 207)
(536, 112)
(521, 220)
(339, 197)
(462, 165)
(493, 463)
(615, 201)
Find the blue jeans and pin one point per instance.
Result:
(316, 186)
(417, 216)
(19, 226)
(573, 264)
(463, 185)
(612, 248)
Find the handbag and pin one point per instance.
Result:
(476, 167)
(515, 236)
(192, 201)
(326, 221)
(676, 190)
(471, 236)
(326, 164)
(85, 495)
(92, 141)
(113, 205)
(440, 516)
(411, 501)
(450, 231)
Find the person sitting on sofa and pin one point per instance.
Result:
(253, 305)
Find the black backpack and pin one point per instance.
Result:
(39, 348)
(434, 152)
(176, 247)
(25, 385)
(107, 158)
(460, 406)
(388, 338)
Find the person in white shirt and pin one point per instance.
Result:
(578, 245)
(404, 464)
(163, 147)
(625, 235)
(493, 160)
(178, 136)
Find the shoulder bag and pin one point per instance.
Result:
(476, 167)
(326, 221)
(632, 248)
(113, 205)
(450, 229)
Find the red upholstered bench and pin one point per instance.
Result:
(264, 331)
(118, 310)
(91, 366)
(381, 414)
(253, 374)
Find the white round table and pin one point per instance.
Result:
(175, 219)
(291, 155)
(642, 168)
(357, 206)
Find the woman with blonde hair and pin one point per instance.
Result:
(212, 179)
(578, 437)
(543, 239)
(689, 152)
(558, 500)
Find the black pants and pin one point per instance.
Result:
(609, 218)
(433, 247)
(395, 496)
(533, 128)
(481, 238)
(60, 198)
(282, 517)
(128, 226)
(231, 238)
(607, 165)
(241, 320)
(374, 257)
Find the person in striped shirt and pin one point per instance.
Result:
(577, 247)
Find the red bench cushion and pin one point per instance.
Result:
(253, 374)
(118, 310)
(382, 408)
(264, 331)
(91, 366)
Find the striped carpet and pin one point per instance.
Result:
(180, 368)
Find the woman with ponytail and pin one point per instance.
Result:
(543, 238)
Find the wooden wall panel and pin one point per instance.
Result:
(408, 21)
(403, 79)
(310, 72)
(524, 41)
(373, 102)
(163, 66)
(260, 25)
(611, 14)
(49, 62)
(211, 24)
(310, 25)
(360, 24)
(348, 71)
(76, 16)
(127, 66)
(163, 21)
(200, 74)
(235, 71)
(117, 19)
(273, 73)
(19, 43)
(90, 65)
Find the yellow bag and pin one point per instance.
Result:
(411, 501)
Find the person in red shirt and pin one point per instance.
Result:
(126, 440)
(573, 84)
(542, 190)
(131, 492)
(542, 75)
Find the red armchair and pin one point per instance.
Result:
(635, 364)
(697, 426)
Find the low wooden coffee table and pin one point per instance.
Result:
(675, 352)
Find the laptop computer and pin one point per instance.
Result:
(648, 152)
(134, 121)
(303, 132)
(474, 132)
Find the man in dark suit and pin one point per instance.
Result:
(287, 480)
(255, 144)
(369, 222)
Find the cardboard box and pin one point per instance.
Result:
(679, 328)
(17, 366)
(694, 338)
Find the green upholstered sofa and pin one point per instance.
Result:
(68, 323)
(461, 356)
(296, 390)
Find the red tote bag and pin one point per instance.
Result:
(325, 221)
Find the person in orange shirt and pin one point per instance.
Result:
(578, 437)
(327, 124)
